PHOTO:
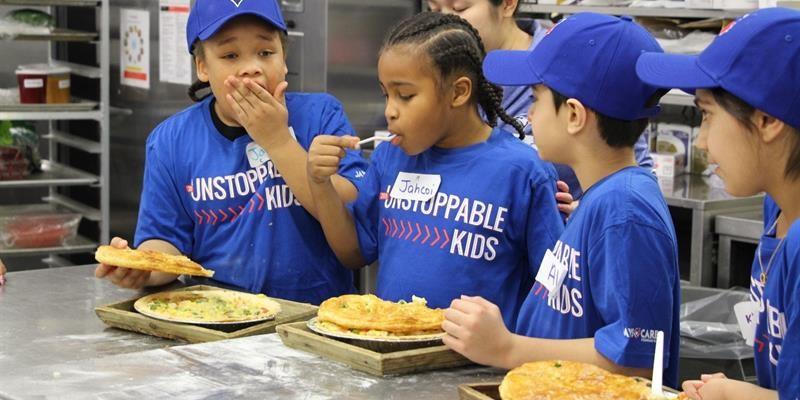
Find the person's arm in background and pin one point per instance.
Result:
(2, 273)
(642, 151)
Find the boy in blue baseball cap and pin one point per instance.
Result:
(225, 180)
(611, 282)
(747, 85)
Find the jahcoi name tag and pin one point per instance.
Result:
(410, 186)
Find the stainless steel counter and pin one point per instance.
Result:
(705, 200)
(53, 346)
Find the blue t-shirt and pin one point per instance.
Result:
(483, 232)
(623, 282)
(777, 338)
(518, 99)
(202, 195)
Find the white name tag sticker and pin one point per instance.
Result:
(421, 187)
(551, 273)
(747, 316)
(256, 154)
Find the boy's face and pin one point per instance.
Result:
(730, 145)
(247, 47)
(549, 129)
(415, 105)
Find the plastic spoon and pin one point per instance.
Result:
(657, 384)
(376, 139)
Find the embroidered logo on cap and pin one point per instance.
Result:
(237, 3)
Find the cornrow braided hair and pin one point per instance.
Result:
(453, 45)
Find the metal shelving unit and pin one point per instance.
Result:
(60, 35)
(79, 244)
(526, 7)
(57, 173)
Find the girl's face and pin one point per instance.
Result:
(731, 146)
(415, 106)
(246, 48)
(481, 14)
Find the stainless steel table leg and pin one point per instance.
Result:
(701, 271)
(724, 262)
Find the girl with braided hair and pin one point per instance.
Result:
(453, 206)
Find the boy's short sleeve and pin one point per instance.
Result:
(161, 213)
(353, 166)
(632, 282)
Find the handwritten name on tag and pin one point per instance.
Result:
(410, 186)
(551, 273)
(256, 155)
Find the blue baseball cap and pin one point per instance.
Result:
(756, 58)
(587, 56)
(207, 16)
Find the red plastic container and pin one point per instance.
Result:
(36, 226)
(43, 83)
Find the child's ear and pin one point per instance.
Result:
(577, 116)
(462, 91)
(768, 127)
(509, 7)
(202, 69)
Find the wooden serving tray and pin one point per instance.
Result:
(376, 360)
(123, 316)
(491, 391)
(479, 391)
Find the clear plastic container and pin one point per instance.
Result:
(36, 226)
(13, 164)
(43, 83)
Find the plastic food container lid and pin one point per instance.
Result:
(42, 69)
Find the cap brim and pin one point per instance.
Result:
(670, 71)
(510, 68)
(213, 28)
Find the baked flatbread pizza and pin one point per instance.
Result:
(368, 315)
(208, 306)
(563, 380)
(149, 260)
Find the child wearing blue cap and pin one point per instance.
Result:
(225, 180)
(494, 20)
(611, 281)
(747, 85)
(451, 206)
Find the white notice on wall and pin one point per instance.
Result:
(174, 60)
(134, 32)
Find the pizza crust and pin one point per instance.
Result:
(562, 380)
(149, 260)
(369, 313)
